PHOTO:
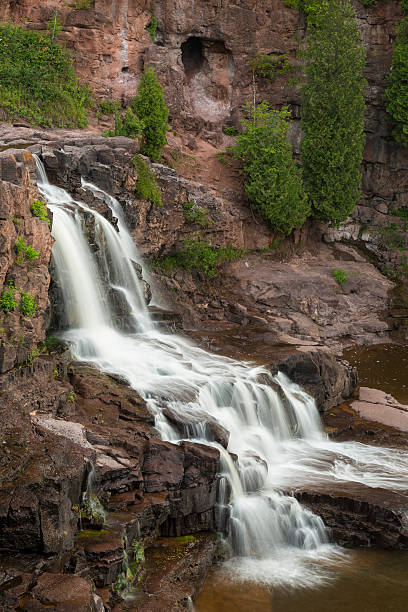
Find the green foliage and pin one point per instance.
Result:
(32, 357)
(230, 130)
(150, 107)
(71, 397)
(270, 66)
(37, 79)
(273, 182)
(152, 27)
(8, 300)
(396, 93)
(28, 306)
(39, 209)
(128, 125)
(340, 276)
(54, 26)
(110, 107)
(196, 214)
(200, 257)
(81, 5)
(24, 251)
(146, 186)
(333, 112)
(311, 8)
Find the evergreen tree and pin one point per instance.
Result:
(150, 107)
(273, 183)
(333, 111)
(396, 94)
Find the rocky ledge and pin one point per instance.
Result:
(87, 485)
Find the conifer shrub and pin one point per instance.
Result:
(150, 106)
(146, 186)
(37, 79)
(333, 111)
(396, 93)
(273, 182)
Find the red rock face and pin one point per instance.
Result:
(20, 334)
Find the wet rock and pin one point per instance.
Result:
(328, 380)
(359, 515)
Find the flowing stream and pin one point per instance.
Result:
(274, 427)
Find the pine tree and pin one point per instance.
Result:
(333, 111)
(150, 107)
(273, 182)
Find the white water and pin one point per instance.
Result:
(277, 436)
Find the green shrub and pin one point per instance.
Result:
(196, 214)
(333, 112)
(229, 130)
(28, 307)
(150, 107)
(152, 27)
(128, 125)
(270, 66)
(37, 79)
(39, 209)
(340, 276)
(24, 251)
(146, 186)
(110, 107)
(8, 301)
(396, 93)
(200, 257)
(35, 353)
(273, 182)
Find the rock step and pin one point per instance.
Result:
(166, 317)
(358, 515)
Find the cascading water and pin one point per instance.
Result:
(275, 434)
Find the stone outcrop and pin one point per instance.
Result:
(89, 434)
(19, 333)
(325, 378)
(359, 515)
(378, 406)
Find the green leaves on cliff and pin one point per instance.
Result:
(396, 94)
(333, 111)
(151, 108)
(37, 80)
(273, 182)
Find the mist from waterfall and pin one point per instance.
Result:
(274, 427)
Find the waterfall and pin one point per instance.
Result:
(274, 427)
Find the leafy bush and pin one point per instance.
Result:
(110, 107)
(8, 300)
(128, 125)
(28, 307)
(150, 107)
(333, 112)
(396, 93)
(200, 257)
(39, 209)
(273, 182)
(146, 187)
(37, 80)
(270, 66)
(340, 276)
(152, 27)
(196, 214)
(24, 251)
